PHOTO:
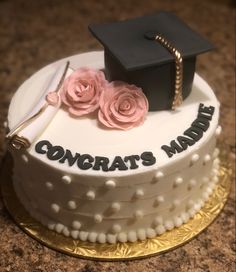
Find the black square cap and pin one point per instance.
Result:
(130, 52)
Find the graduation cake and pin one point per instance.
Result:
(119, 145)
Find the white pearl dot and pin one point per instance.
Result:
(66, 179)
(185, 217)
(192, 183)
(49, 186)
(216, 152)
(122, 237)
(76, 225)
(138, 214)
(24, 158)
(55, 207)
(218, 131)
(115, 207)
(178, 181)
(98, 218)
(159, 175)
(159, 199)
(116, 228)
(83, 235)
(92, 237)
(72, 205)
(158, 220)
(169, 225)
(176, 203)
(190, 204)
(74, 234)
(207, 158)
(150, 233)
(141, 234)
(90, 195)
(195, 157)
(111, 238)
(160, 229)
(205, 180)
(110, 184)
(66, 232)
(132, 236)
(59, 227)
(178, 221)
(139, 193)
(101, 238)
(51, 225)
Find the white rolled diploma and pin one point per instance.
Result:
(31, 129)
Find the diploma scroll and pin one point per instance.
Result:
(41, 114)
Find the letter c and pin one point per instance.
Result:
(39, 147)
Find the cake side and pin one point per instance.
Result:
(118, 205)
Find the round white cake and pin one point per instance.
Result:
(105, 185)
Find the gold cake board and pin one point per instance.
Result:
(120, 251)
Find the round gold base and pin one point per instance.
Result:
(120, 251)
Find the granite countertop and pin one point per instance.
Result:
(35, 33)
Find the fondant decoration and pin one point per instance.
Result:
(131, 55)
(86, 161)
(53, 98)
(122, 106)
(194, 133)
(39, 115)
(82, 90)
(160, 229)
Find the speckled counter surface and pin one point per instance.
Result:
(35, 33)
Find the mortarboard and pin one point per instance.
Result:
(144, 51)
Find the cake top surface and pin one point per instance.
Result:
(129, 41)
(85, 136)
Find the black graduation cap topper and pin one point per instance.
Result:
(156, 52)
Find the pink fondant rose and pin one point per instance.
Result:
(122, 106)
(81, 91)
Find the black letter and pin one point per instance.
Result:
(101, 162)
(69, 157)
(185, 142)
(171, 150)
(148, 158)
(194, 132)
(85, 165)
(55, 153)
(39, 147)
(132, 159)
(118, 163)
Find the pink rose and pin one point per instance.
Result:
(81, 91)
(122, 106)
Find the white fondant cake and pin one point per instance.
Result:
(159, 189)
